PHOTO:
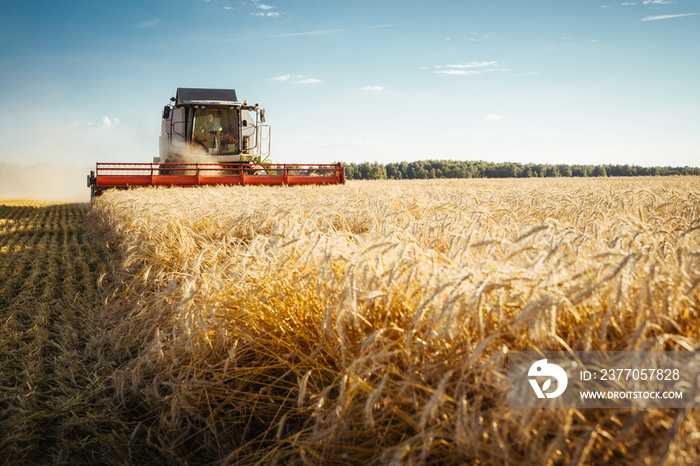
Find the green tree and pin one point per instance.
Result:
(599, 170)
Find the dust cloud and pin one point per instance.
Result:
(45, 182)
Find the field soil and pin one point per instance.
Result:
(56, 403)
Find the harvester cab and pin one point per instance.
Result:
(209, 138)
(212, 126)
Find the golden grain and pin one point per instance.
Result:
(370, 323)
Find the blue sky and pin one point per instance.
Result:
(539, 81)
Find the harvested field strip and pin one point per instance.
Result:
(55, 403)
(370, 323)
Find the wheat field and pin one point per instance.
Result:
(371, 323)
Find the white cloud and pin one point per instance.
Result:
(493, 117)
(373, 88)
(148, 24)
(309, 33)
(266, 10)
(657, 2)
(477, 64)
(469, 68)
(656, 18)
(457, 72)
(381, 26)
(475, 37)
(296, 78)
(104, 122)
(282, 78)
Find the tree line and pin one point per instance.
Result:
(428, 169)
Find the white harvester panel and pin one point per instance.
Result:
(211, 126)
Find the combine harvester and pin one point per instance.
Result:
(210, 138)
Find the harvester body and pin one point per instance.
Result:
(210, 138)
(211, 126)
